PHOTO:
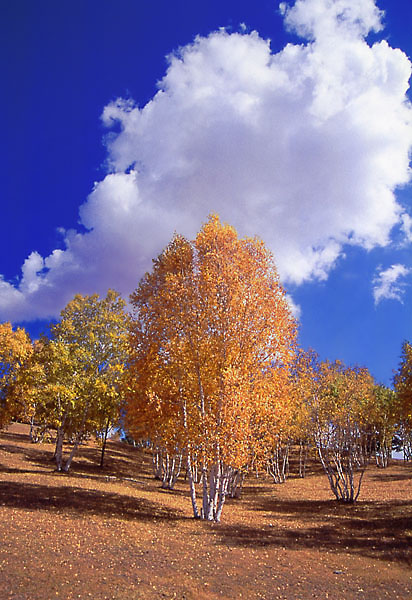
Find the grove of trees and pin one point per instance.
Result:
(207, 372)
(72, 377)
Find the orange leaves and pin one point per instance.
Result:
(211, 340)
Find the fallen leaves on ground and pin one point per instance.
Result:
(113, 534)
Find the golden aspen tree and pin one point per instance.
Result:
(15, 350)
(54, 379)
(341, 405)
(76, 374)
(25, 386)
(384, 416)
(212, 341)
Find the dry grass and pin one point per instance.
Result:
(113, 534)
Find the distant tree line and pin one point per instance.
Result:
(206, 371)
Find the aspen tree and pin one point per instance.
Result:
(75, 375)
(15, 351)
(341, 406)
(212, 341)
(385, 419)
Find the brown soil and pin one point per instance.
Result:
(112, 533)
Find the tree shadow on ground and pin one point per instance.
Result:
(381, 530)
(14, 437)
(17, 470)
(11, 449)
(82, 502)
(391, 476)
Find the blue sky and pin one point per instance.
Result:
(303, 141)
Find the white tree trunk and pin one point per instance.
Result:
(171, 466)
(278, 463)
(192, 486)
(215, 486)
(78, 438)
(72, 453)
(58, 453)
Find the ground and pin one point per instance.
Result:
(113, 534)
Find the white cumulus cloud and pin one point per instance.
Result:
(304, 147)
(387, 284)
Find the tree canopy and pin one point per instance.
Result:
(74, 376)
(15, 350)
(212, 341)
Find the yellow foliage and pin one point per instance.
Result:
(212, 341)
(15, 351)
